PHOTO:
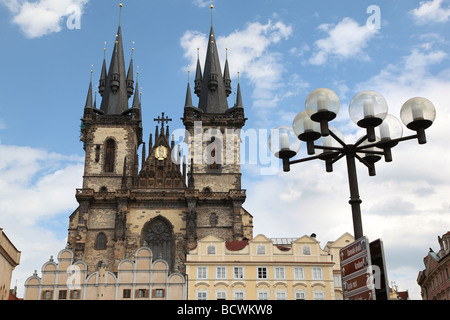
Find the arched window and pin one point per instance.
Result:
(158, 234)
(110, 155)
(101, 241)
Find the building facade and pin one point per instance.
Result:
(140, 277)
(264, 269)
(160, 197)
(136, 195)
(9, 260)
(434, 280)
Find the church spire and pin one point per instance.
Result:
(213, 97)
(226, 77)
(115, 95)
(89, 95)
(130, 81)
(198, 76)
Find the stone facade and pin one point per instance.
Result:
(131, 196)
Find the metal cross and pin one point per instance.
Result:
(162, 119)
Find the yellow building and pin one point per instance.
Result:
(264, 269)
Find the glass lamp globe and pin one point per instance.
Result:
(283, 142)
(306, 130)
(322, 105)
(418, 113)
(390, 129)
(368, 109)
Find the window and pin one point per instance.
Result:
(317, 273)
(262, 272)
(238, 272)
(221, 272)
(202, 272)
(260, 250)
(319, 295)
(221, 295)
(126, 293)
(300, 295)
(158, 293)
(213, 219)
(299, 273)
(211, 250)
(280, 273)
(281, 295)
(202, 295)
(62, 294)
(337, 280)
(142, 293)
(47, 295)
(75, 294)
(306, 250)
(264, 295)
(239, 295)
(110, 155)
(101, 241)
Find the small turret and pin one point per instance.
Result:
(130, 81)
(198, 77)
(226, 77)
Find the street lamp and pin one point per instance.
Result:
(369, 110)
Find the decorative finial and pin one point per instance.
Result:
(120, 14)
(189, 72)
(212, 8)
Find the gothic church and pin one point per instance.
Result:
(158, 198)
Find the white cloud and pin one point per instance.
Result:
(37, 19)
(406, 204)
(249, 54)
(37, 195)
(346, 40)
(431, 12)
(202, 3)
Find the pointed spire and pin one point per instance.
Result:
(188, 103)
(226, 76)
(136, 100)
(104, 75)
(115, 96)
(89, 95)
(239, 98)
(130, 81)
(198, 76)
(213, 98)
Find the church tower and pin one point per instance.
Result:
(159, 200)
(214, 142)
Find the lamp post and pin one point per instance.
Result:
(368, 110)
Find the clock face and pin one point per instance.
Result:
(161, 153)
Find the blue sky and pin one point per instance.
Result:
(283, 50)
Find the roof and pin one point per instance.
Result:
(213, 97)
(236, 245)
